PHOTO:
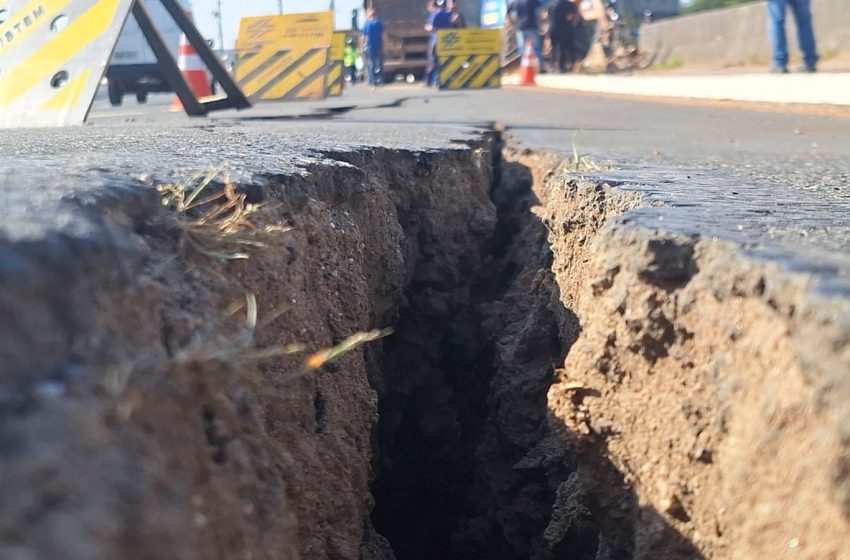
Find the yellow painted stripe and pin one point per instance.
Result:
(335, 79)
(26, 20)
(459, 81)
(485, 74)
(266, 76)
(297, 75)
(448, 67)
(334, 73)
(70, 93)
(338, 46)
(74, 38)
(315, 89)
(272, 73)
(249, 61)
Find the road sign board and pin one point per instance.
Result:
(335, 72)
(469, 58)
(284, 57)
(53, 54)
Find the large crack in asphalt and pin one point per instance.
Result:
(468, 463)
(561, 383)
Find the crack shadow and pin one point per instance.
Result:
(472, 463)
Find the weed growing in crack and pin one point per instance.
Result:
(242, 350)
(217, 221)
(583, 163)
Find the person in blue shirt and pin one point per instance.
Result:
(440, 18)
(526, 14)
(372, 42)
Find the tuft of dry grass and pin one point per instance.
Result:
(581, 162)
(235, 354)
(584, 163)
(217, 221)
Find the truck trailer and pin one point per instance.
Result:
(406, 51)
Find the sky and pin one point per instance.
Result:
(233, 10)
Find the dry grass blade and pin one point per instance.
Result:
(317, 360)
(220, 224)
(235, 354)
(581, 162)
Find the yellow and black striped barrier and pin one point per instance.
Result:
(53, 54)
(469, 58)
(336, 73)
(284, 57)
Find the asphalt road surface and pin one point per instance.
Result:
(774, 142)
(771, 179)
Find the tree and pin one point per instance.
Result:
(702, 5)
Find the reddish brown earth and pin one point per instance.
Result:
(560, 384)
(133, 428)
(705, 394)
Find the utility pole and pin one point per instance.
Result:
(217, 14)
(280, 7)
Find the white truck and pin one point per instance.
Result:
(133, 67)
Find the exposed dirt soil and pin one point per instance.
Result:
(559, 384)
(701, 398)
(132, 427)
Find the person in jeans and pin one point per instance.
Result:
(525, 14)
(562, 18)
(372, 37)
(438, 18)
(805, 34)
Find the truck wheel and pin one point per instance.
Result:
(115, 93)
(142, 97)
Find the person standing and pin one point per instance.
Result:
(372, 38)
(349, 60)
(562, 16)
(802, 11)
(456, 18)
(526, 14)
(439, 18)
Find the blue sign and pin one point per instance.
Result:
(493, 13)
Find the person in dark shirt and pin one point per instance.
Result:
(562, 19)
(439, 18)
(372, 37)
(455, 17)
(525, 14)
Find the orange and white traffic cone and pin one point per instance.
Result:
(193, 70)
(527, 68)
